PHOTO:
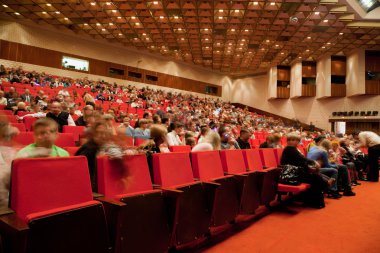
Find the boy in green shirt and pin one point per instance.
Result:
(45, 134)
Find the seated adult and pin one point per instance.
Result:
(269, 142)
(88, 111)
(129, 130)
(21, 107)
(292, 156)
(142, 132)
(62, 118)
(242, 141)
(210, 142)
(227, 139)
(320, 153)
(174, 137)
(27, 97)
(45, 134)
(3, 100)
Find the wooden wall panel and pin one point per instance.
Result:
(283, 92)
(49, 58)
(338, 90)
(308, 90)
(372, 87)
(283, 74)
(309, 69)
(338, 67)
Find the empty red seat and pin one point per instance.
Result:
(139, 215)
(19, 126)
(268, 157)
(269, 183)
(24, 138)
(28, 121)
(278, 154)
(65, 140)
(208, 167)
(249, 181)
(185, 148)
(192, 211)
(57, 214)
(77, 131)
(71, 150)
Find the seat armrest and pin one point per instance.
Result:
(96, 195)
(11, 224)
(156, 186)
(108, 201)
(211, 184)
(196, 179)
(171, 193)
(6, 211)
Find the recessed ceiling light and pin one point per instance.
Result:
(17, 13)
(277, 45)
(307, 50)
(328, 43)
(206, 39)
(133, 17)
(48, 4)
(57, 12)
(241, 44)
(240, 48)
(161, 17)
(175, 17)
(250, 52)
(66, 19)
(220, 10)
(206, 29)
(217, 51)
(309, 38)
(232, 30)
(255, 3)
(44, 12)
(155, 2)
(85, 24)
(282, 53)
(326, 20)
(182, 38)
(267, 40)
(272, 3)
(120, 34)
(137, 23)
(220, 17)
(135, 38)
(218, 44)
(98, 24)
(300, 57)
(108, 3)
(323, 47)
(236, 11)
(180, 29)
(246, 30)
(316, 13)
(228, 51)
(230, 44)
(263, 49)
(118, 17)
(340, 33)
(147, 38)
(114, 11)
(103, 29)
(93, 3)
(207, 47)
(5, 6)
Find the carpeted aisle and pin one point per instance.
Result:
(348, 225)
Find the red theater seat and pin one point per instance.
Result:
(20, 126)
(6, 112)
(269, 160)
(65, 140)
(77, 131)
(71, 150)
(185, 148)
(249, 182)
(208, 167)
(192, 212)
(57, 214)
(135, 211)
(28, 121)
(268, 188)
(24, 138)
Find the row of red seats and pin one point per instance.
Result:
(59, 214)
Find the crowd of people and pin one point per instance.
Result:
(331, 164)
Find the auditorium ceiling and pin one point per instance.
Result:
(233, 37)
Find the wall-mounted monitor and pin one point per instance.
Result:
(75, 63)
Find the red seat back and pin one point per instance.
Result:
(41, 184)
(129, 175)
(65, 140)
(207, 165)
(28, 121)
(171, 169)
(75, 130)
(278, 154)
(233, 161)
(20, 126)
(185, 148)
(21, 113)
(268, 157)
(71, 150)
(24, 138)
(252, 159)
(6, 112)
(139, 141)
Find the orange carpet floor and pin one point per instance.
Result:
(347, 225)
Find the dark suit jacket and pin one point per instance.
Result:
(23, 98)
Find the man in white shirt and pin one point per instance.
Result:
(372, 141)
(174, 136)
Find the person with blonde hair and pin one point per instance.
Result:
(211, 142)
